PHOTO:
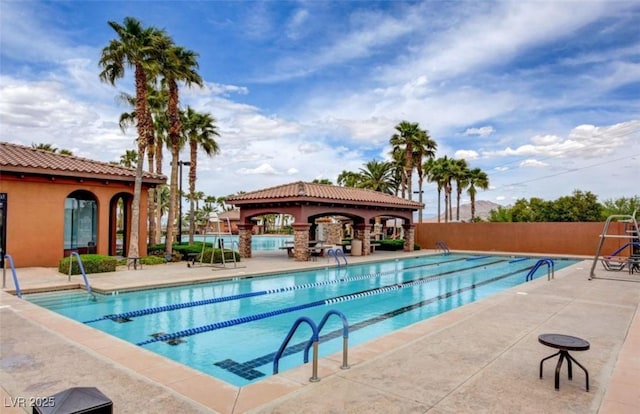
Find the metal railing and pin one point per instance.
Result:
(15, 277)
(550, 269)
(443, 246)
(84, 274)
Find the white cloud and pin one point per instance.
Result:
(484, 131)
(262, 169)
(466, 155)
(532, 163)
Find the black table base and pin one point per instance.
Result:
(569, 358)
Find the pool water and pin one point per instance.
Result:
(231, 329)
(259, 242)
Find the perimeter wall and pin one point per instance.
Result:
(547, 238)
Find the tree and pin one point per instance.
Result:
(624, 205)
(376, 176)
(461, 177)
(199, 130)
(135, 47)
(129, 158)
(51, 148)
(425, 148)
(478, 179)
(348, 179)
(322, 181)
(178, 65)
(435, 174)
(406, 139)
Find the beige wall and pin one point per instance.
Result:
(35, 217)
(559, 238)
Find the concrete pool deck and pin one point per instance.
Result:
(482, 357)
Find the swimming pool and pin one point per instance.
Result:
(231, 329)
(258, 242)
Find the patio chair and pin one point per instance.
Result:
(614, 263)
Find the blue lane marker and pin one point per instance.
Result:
(251, 318)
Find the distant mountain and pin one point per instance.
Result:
(483, 208)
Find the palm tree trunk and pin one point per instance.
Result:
(158, 201)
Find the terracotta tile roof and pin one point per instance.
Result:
(231, 215)
(302, 191)
(27, 160)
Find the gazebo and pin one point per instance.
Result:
(307, 202)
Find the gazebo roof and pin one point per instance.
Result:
(321, 194)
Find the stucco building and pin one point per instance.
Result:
(52, 204)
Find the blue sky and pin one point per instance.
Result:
(544, 96)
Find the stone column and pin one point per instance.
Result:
(244, 239)
(363, 232)
(409, 236)
(334, 233)
(301, 241)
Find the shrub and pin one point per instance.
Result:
(391, 245)
(152, 260)
(217, 256)
(92, 263)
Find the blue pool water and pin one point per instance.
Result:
(231, 329)
(259, 242)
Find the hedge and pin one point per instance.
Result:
(92, 263)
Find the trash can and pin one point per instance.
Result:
(356, 247)
(75, 400)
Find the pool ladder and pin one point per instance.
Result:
(84, 274)
(335, 253)
(539, 263)
(15, 277)
(443, 246)
(314, 341)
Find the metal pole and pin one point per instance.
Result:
(179, 238)
(314, 364)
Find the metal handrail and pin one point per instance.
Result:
(314, 340)
(15, 277)
(335, 253)
(84, 274)
(550, 269)
(443, 246)
(345, 337)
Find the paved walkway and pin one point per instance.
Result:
(482, 357)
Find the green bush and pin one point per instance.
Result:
(391, 245)
(217, 256)
(92, 263)
(152, 260)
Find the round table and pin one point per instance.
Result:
(564, 343)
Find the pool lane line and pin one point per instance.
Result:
(337, 299)
(254, 363)
(184, 305)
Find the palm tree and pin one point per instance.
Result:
(406, 138)
(199, 130)
(376, 176)
(51, 148)
(434, 173)
(178, 65)
(425, 147)
(398, 175)
(135, 47)
(129, 158)
(461, 176)
(348, 179)
(477, 179)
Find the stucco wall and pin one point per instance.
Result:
(35, 217)
(559, 238)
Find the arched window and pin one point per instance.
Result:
(80, 221)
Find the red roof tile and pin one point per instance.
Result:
(320, 192)
(21, 159)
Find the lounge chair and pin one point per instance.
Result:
(614, 263)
